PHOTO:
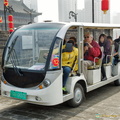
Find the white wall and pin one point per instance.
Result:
(49, 9)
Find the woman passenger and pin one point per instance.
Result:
(103, 42)
(69, 58)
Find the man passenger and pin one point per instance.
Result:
(90, 53)
(116, 49)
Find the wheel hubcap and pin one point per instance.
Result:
(78, 95)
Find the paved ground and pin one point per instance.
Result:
(100, 104)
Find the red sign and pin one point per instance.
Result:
(55, 61)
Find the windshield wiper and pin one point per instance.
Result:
(13, 56)
(11, 48)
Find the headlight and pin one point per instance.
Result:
(46, 82)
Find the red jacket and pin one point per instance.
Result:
(93, 52)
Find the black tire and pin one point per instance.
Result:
(117, 82)
(78, 96)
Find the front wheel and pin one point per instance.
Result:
(78, 96)
(117, 82)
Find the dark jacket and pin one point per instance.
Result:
(116, 46)
(107, 47)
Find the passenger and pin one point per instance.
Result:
(92, 52)
(115, 55)
(69, 58)
(103, 42)
(75, 45)
(75, 41)
(117, 40)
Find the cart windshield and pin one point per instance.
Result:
(29, 46)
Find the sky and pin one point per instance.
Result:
(50, 11)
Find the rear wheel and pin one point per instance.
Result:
(78, 96)
(117, 82)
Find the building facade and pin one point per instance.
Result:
(32, 4)
(116, 18)
(85, 14)
(21, 17)
(65, 6)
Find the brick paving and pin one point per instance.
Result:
(100, 104)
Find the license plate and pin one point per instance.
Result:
(18, 95)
